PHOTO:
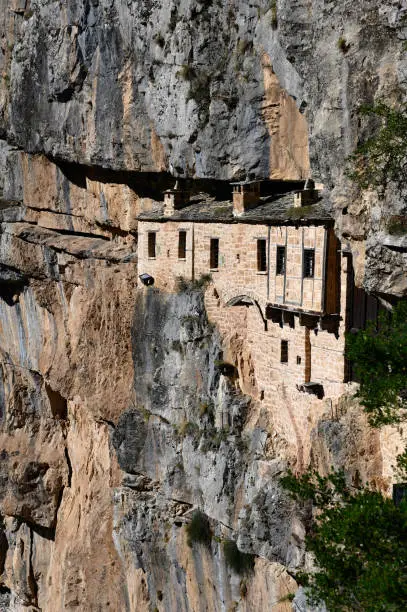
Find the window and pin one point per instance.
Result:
(288, 318)
(284, 351)
(308, 263)
(262, 255)
(151, 244)
(182, 244)
(280, 264)
(214, 256)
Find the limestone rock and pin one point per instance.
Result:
(115, 423)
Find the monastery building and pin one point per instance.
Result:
(281, 290)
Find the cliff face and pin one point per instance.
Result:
(61, 341)
(208, 89)
(111, 436)
(111, 404)
(177, 86)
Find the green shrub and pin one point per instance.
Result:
(203, 409)
(145, 412)
(213, 438)
(239, 562)
(199, 529)
(359, 540)
(397, 225)
(206, 409)
(358, 537)
(288, 597)
(274, 18)
(199, 91)
(186, 72)
(382, 157)
(298, 212)
(379, 354)
(187, 428)
(401, 467)
(184, 284)
(244, 45)
(203, 281)
(343, 45)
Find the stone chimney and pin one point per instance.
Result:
(308, 196)
(246, 195)
(175, 199)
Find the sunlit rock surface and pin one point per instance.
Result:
(111, 404)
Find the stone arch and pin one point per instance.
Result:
(245, 299)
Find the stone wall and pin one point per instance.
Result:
(238, 273)
(290, 413)
(250, 342)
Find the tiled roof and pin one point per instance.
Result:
(275, 209)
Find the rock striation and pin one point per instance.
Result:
(207, 89)
(110, 434)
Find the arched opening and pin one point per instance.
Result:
(247, 300)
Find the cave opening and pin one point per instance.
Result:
(58, 404)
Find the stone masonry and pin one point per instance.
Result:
(291, 326)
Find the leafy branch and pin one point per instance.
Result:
(379, 354)
(359, 537)
(359, 541)
(383, 157)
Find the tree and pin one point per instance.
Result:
(379, 354)
(357, 536)
(383, 157)
(359, 540)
